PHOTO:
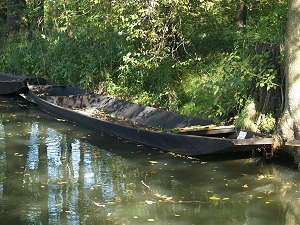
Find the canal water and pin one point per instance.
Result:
(55, 172)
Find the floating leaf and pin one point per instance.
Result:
(98, 204)
(149, 202)
(60, 120)
(214, 198)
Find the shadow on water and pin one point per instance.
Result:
(56, 172)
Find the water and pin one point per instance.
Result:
(56, 172)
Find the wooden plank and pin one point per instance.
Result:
(293, 143)
(296, 145)
(199, 127)
(253, 141)
(209, 130)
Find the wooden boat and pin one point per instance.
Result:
(142, 124)
(11, 84)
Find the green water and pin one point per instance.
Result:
(55, 172)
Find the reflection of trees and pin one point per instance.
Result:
(276, 203)
(13, 135)
(74, 174)
(2, 156)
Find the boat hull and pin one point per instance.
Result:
(11, 84)
(177, 143)
(12, 88)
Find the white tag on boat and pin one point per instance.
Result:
(242, 135)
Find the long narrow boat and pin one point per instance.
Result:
(142, 124)
(11, 84)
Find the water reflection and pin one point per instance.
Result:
(54, 172)
(2, 156)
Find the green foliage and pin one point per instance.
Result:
(185, 56)
(15, 56)
(250, 119)
(224, 86)
(268, 123)
(247, 117)
(266, 73)
(230, 86)
(267, 20)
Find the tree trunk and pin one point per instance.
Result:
(37, 18)
(15, 12)
(3, 13)
(241, 15)
(289, 124)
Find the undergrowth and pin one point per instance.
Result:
(165, 55)
(214, 88)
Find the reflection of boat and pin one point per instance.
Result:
(147, 125)
(12, 84)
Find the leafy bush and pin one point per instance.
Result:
(223, 86)
(267, 124)
(247, 117)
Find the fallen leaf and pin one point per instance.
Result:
(149, 202)
(213, 198)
